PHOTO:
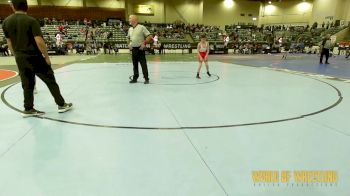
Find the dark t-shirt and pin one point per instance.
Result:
(21, 30)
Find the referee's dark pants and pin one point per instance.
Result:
(325, 51)
(139, 56)
(28, 67)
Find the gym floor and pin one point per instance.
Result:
(178, 135)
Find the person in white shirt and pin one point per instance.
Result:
(58, 39)
(226, 40)
(155, 40)
(138, 37)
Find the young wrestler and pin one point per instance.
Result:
(203, 51)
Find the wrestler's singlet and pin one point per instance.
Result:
(203, 50)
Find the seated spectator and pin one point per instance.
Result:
(80, 49)
(61, 28)
(116, 49)
(4, 49)
(62, 50)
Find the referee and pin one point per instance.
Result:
(138, 37)
(24, 38)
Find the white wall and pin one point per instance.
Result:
(189, 11)
(89, 3)
(106, 3)
(210, 12)
(286, 12)
(338, 9)
(62, 3)
(216, 13)
(213, 12)
(32, 2)
(158, 16)
(168, 11)
(346, 11)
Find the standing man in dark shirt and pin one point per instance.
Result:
(24, 38)
(325, 47)
(138, 36)
(347, 52)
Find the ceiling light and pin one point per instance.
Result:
(228, 3)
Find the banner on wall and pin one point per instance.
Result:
(144, 9)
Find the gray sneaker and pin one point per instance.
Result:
(31, 113)
(65, 107)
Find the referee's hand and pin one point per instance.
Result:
(142, 46)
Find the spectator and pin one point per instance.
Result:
(107, 47)
(325, 47)
(24, 39)
(58, 39)
(4, 49)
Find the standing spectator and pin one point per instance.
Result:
(286, 47)
(107, 46)
(325, 46)
(88, 44)
(24, 38)
(226, 40)
(58, 40)
(161, 48)
(116, 49)
(347, 53)
(155, 40)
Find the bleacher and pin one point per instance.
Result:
(247, 35)
(76, 34)
(211, 36)
(2, 36)
(165, 34)
(172, 40)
